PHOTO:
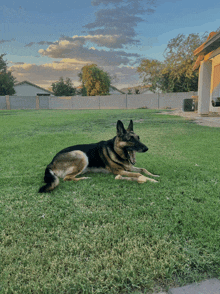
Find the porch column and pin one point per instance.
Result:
(204, 86)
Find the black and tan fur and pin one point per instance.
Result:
(115, 156)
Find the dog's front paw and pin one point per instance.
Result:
(118, 177)
(154, 181)
(142, 179)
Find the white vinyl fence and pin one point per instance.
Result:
(151, 101)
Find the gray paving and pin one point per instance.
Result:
(210, 121)
(211, 286)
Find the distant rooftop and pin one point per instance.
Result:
(31, 84)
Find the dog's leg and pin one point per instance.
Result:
(73, 178)
(76, 162)
(142, 170)
(133, 177)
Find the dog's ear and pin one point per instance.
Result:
(120, 129)
(130, 127)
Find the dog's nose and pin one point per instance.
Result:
(145, 149)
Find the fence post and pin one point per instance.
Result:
(158, 100)
(37, 102)
(126, 101)
(8, 106)
(99, 102)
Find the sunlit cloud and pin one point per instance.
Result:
(77, 50)
(44, 75)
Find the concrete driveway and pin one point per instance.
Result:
(210, 121)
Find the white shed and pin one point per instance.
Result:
(26, 88)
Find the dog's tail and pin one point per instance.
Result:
(51, 181)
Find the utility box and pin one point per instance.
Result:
(188, 105)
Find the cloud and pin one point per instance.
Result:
(115, 22)
(21, 65)
(121, 2)
(66, 64)
(39, 43)
(113, 29)
(63, 65)
(44, 75)
(104, 43)
(4, 41)
(75, 48)
(17, 63)
(121, 19)
(30, 44)
(124, 76)
(112, 41)
(108, 41)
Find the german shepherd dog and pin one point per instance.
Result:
(115, 156)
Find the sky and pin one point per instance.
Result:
(44, 40)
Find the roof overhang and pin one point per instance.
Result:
(211, 44)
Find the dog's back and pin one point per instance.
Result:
(93, 152)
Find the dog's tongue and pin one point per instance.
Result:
(132, 158)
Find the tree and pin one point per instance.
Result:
(63, 88)
(176, 73)
(179, 60)
(94, 80)
(151, 72)
(83, 90)
(7, 81)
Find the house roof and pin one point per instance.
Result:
(31, 84)
(142, 89)
(114, 88)
(146, 89)
(205, 50)
(212, 43)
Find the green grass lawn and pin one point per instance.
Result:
(101, 235)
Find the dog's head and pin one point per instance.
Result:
(129, 142)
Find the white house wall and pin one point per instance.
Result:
(28, 90)
(114, 92)
(215, 91)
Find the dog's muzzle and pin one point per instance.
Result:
(144, 149)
